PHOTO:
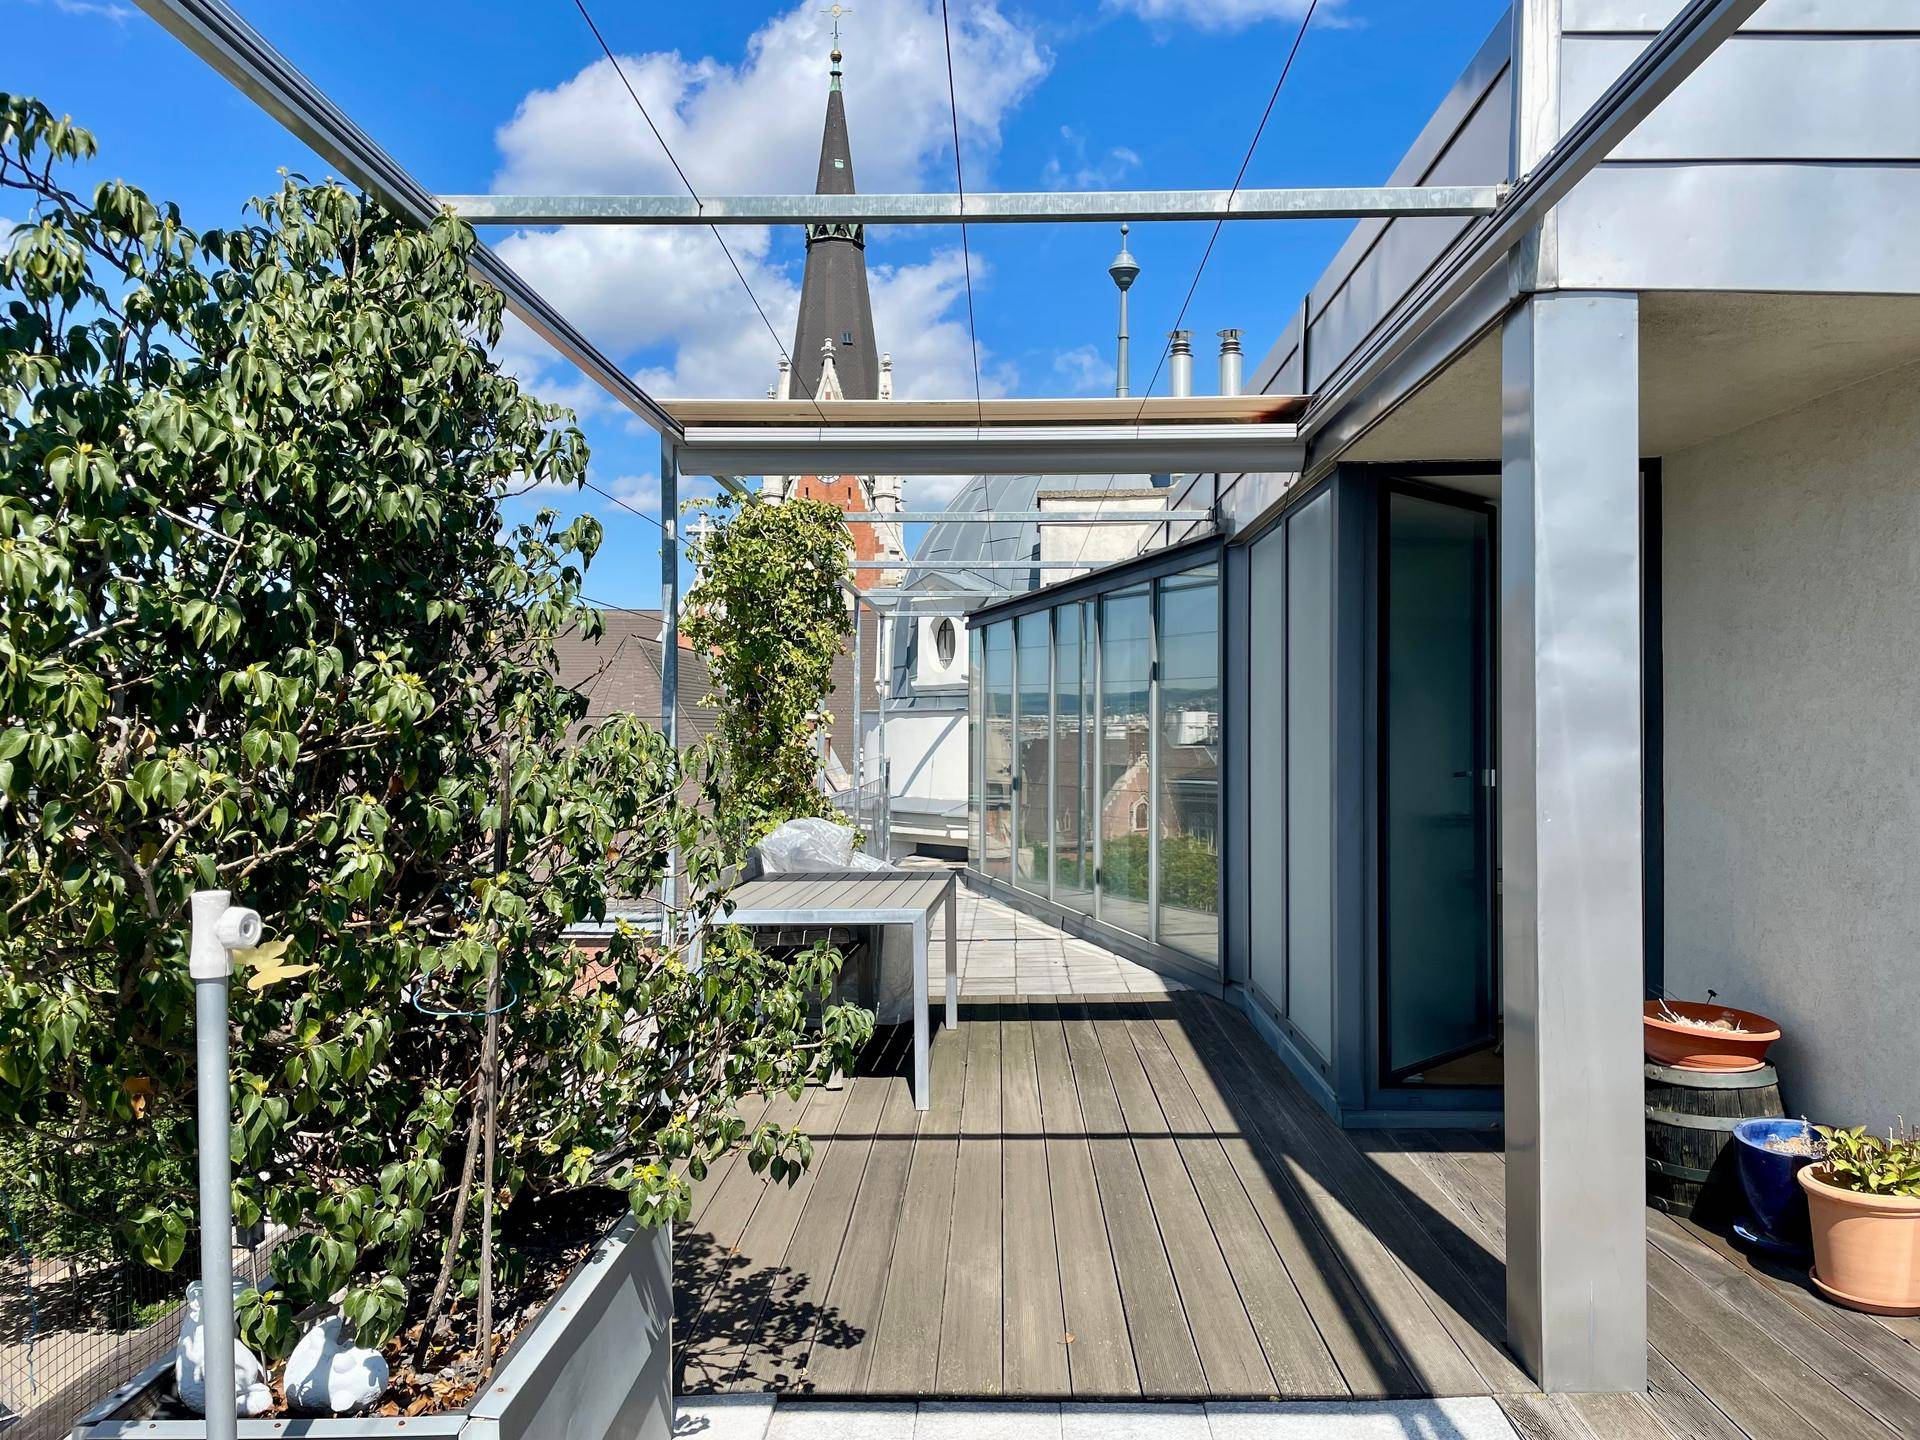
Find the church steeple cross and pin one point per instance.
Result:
(836, 11)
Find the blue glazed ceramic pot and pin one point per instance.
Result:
(1771, 1180)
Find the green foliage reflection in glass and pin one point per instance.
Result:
(268, 629)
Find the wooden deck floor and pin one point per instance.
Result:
(1130, 1197)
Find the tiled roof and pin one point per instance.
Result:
(620, 672)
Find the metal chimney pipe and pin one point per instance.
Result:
(1180, 366)
(1124, 270)
(1229, 362)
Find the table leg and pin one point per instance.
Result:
(953, 956)
(920, 1095)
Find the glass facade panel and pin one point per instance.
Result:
(1188, 780)
(1032, 773)
(1072, 714)
(996, 755)
(1310, 773)
(1126, 789)
(1267, 770)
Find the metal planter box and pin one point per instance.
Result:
(597, 1365)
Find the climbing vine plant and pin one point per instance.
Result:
(770, 613)
(265, 626)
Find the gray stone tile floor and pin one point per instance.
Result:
(1003, 952)
(762, 1417)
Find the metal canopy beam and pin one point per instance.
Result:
(960, 567)
(971, 450)
(1340, 202)
(237, 51)
(1029, 517)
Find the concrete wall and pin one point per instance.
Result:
(1792, 713)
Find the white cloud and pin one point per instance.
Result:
(1220, 14)
(750, 128)
(930, 492)
(754, 128)
(1076, 171)
(919, 311)
(119, 14)
(1083, 370)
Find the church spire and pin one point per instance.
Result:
(835, 303)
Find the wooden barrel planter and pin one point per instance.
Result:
(1690, 1120)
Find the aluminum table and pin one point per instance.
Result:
(864, 897)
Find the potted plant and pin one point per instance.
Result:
(1696, 1035)
(1770, 1155)
(1863, 1203)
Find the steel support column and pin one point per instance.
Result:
(669, 639)
(1570, 840)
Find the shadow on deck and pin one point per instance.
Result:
(1130, 1197)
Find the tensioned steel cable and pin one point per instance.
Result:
(1259, 130)
(960, 182)
(714, 230)
(1245, 161)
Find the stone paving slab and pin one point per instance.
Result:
(759, 1417)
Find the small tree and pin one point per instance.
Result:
(265, 628)
(770, 611)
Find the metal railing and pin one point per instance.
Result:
(74, 1328)
(867, 805)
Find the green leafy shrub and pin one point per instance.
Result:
(266, 629)
(1870, 1164)
(770, 611)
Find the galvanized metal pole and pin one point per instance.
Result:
(1124, 270)
(218, 928)
(859, 681)
(669, 645)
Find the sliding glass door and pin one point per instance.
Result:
(1439, 1012)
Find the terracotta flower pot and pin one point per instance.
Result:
(1866, 1248)
(1691, 1047)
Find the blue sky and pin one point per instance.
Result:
(496, 96)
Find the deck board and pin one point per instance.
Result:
(1230, 1353)
(1034, 1326)
(776, 1342)
(1163, 1348)
(970, 1314)
(1298, 1358)
(734, 1305)
(1370, 1364)
(906, 1342)
(842, 1351)
(1130, 1196)
(1100, 1356)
